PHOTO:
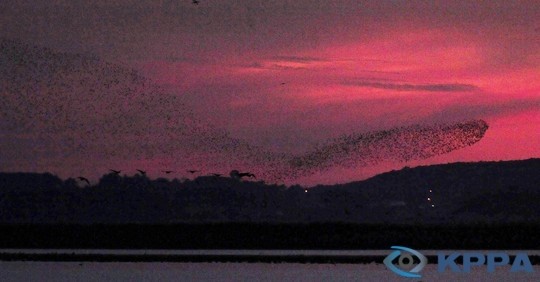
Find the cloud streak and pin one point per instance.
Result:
(451, 87)
(298, 59)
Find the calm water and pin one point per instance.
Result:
(238, 252)
(95, 271)
(72, 271)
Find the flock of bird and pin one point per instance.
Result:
(60, 108)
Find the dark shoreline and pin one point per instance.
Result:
(288, 236)
(318, 259)
(191, 258)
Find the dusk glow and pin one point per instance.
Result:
(283, 76)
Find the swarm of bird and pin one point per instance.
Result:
(402, 144)
(61, 108)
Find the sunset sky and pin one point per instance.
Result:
(287, 75)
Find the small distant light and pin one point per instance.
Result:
(305, 191)
(430, 191)
(429, 199)
(432, 206)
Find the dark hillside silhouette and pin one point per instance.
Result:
(475, 206)
(490, 192)
(28, 181)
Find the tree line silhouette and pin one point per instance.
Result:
(478, 205)
(490, 192)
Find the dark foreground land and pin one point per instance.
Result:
(486, 205)
(319, 236)
(319, 259)
(451, 194)
(270, 236)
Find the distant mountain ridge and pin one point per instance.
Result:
(488, 192)
(461, 192)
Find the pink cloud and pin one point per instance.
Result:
(289, 75)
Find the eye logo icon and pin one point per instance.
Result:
(405, 266)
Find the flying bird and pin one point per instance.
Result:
(217, 174)
(117, 172)
(167, 171)
(142, 172)
(84, 179)
(192, 171)
(195, 2)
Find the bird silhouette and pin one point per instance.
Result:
(142, 172)
(217, 174)
(195, 2)
(167, 171)
(192, 171)
(84, 179)
(117, 172)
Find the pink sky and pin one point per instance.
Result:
(291, 74)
